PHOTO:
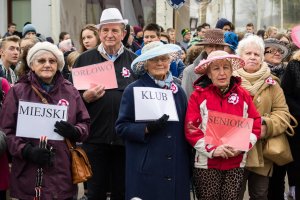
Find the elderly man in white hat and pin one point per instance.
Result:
(104, 148)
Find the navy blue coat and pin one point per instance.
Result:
(157, 164)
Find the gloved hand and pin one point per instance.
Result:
(37, 155)
(67, 130)
(158, 124)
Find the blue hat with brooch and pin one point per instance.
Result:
(152, 50)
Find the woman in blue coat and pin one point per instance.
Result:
(157, 154)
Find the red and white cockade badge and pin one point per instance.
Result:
(125, 72)
(233, 98)
(174, 88)
(63, 102)
(270, 81)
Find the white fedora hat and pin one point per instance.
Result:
(111, 16)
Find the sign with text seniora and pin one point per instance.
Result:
(228, 129)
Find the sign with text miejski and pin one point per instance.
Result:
(38, 119)
(152, 103)
(86, 77)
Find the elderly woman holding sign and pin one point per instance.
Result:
(43, 169)
(221, 124)
(151, 120)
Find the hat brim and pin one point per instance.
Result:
(236, 63)
(205, 43)
(124, 21)
(137, 64)
(280, 46)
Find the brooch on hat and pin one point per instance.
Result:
(233, 98)
(125, 72)
(63, 102)
(174, 88)
(270, 81)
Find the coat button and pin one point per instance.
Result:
(169, 157)
(168, 178)
(169, 136)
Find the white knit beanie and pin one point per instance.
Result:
(47, 46)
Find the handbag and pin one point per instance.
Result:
(81, 168)
(277, 149)
(80, 165)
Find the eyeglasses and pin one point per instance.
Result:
(160, 58)
(274, 51)
(42, 61)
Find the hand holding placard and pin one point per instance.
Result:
(94, 93)
(158, 124)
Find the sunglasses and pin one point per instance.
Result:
(274, 51)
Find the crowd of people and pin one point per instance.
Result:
(153, 135)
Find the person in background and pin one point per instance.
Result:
(192, 53)
(152, 33)
(164, 37)
(89, 37)
(128, 40)
(232, 39)
(158, 144)
(45, 61)
(275, 52)
(250, 28)
(22, 67)
(186, 37)
(225, 25)
(138, 35)
(104, 148)
(11, 28)
(4, 167)
(269, 100)
(291, 86)
(218, 170)
(29, 31)
(10, 53)
(213, 40)
(64, 36)
(172, 35)
(270, 32)
(66, 46)
(261, 33)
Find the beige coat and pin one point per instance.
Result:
(269, 99)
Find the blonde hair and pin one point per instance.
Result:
(296, 55)
(71, 58)
(269, 30)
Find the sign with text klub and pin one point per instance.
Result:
(89, 76)
(152, 103)
(38, 119)
(228, 129)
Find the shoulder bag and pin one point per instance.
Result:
(277, 149)
(81, 168)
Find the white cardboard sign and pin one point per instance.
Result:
(151, 103)
(38, 119)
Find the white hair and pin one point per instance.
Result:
(251, 40)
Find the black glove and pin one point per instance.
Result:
(37, 155)
(67, 130)
(158, 124)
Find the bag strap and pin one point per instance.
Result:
(291, 127)
(40, 95)
(44, 100)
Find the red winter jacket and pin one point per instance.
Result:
(208, 97)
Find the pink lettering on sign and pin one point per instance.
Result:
(228, 129)
(97, 74)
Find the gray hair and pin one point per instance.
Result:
(251, 40)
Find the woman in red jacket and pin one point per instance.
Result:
(218, 169)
